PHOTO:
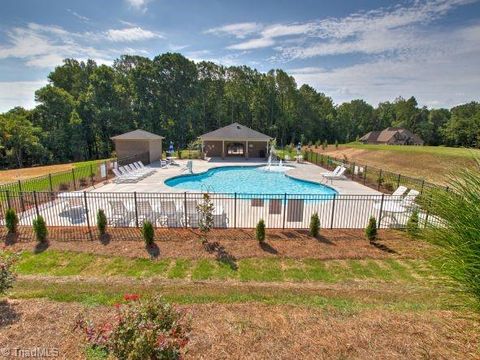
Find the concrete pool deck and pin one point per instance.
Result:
(155, 183)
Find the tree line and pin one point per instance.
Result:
(84, 104)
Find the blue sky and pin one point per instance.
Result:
(374, 50)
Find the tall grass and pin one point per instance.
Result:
(459, 234)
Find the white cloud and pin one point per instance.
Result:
(253, 44)
(18, 93)
(78, 16)
(239, 30)
(45, 46)
(445, 75)
(131, 34)
(140, 5)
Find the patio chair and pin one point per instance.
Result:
(124, 178)
(275, 206)
(334, 172)
(132, 171)
(220, 220)
(295, 209)
(146, 212)
(392, 209)
(120, 215)
(189, 167)
(133, 168)
(338, 176)
(168, 214)
(140, 165)
(400, 191)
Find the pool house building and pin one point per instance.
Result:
(235, 140)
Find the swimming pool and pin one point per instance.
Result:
(247, 180)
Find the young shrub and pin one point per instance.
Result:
(325, 144)
(11, 221)
(314, 225)
(148, 233)
(412, 224)
(40, 229)
(101, 222)
(7, 274)
(260, 231)
(317, 143)
(140, 329)
(205, 210)
(371, 229)
(310, 144)
(336, 144)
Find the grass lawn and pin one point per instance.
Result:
(432, 163)
(379, 304)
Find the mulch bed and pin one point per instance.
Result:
(262, 331)
(239, 243)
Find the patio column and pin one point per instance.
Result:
(266, 151)
(246, 151)
(223, 149)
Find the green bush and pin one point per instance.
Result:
(314, 225)
(458, 232)
(11, 221)
(260, 231)
(148, 233)
(101, 222)
(7, 275)
(336, 144)
(40, 229)
(412, 224)
(371, 229)
(140, 329)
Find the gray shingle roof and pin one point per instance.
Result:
(137, 135)
(235, 131)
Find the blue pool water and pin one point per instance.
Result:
(247, 180)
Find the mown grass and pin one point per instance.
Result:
(104, 293)
(58, 263)
(434, 150)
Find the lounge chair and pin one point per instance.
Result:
(400, 191)
(220, 220)
(168, 213)
(146, 212)
(133, 171)
(338, 176)
(191, 211)
(392, 208)
(120, 215)
(124, 178)
(140, 165)
(334, 172)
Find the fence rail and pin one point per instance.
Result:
(231, 210)
(376, 178)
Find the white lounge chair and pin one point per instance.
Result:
(393, 208)
(140, 165)
(334, 172)
(338, 176)
(400, 191)
(129, 169)
(120, 215)
(169, 216)
(188, 167)
(124, 178)
(146, 212)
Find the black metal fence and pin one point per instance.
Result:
(379, 179)
(231, 210)
(77, 178)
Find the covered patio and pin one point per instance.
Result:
(235, 140)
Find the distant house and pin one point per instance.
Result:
(392, 136)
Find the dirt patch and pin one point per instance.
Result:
(7, 176)
(240, 243)
(428, 166)
(264, 331)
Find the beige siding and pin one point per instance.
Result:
(126, 148)
(155, 150)
(213, 148)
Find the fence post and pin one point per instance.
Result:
(235, 211)
(73, 178)
(7, 193)
(185, 207)
(106, 169)
(284, 210)
(86, 208)
(50, 182)
(36, 203)
(380, 215)
(398, 180)
(423, 184)
(353, 171)
(365, 175)
(91, 174)
(136, 208)
(379, 179)
(22, 203)
(333, 211)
